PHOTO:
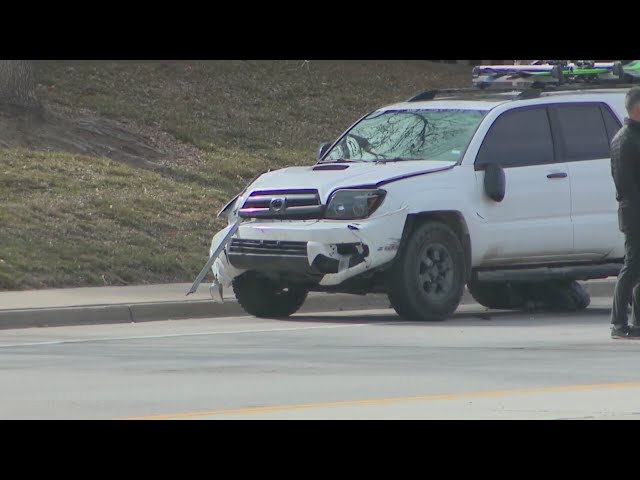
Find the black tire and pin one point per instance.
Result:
(427, 281)
(260, 297)
(497, 295)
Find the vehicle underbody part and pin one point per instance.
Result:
(560, 295)
(549, 273)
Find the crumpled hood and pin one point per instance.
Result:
(354, 175)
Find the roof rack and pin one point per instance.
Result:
(432, 94)
(518, 93)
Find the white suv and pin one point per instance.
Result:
(508, 193)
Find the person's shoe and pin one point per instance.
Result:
(634, 332)
(622, 331)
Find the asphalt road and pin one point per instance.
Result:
(344, 365)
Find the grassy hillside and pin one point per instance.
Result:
(120, 183)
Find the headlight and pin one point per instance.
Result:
(353, 204)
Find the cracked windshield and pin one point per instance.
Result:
(396, 135)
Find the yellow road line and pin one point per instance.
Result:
(384, 401)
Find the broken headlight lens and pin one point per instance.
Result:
(353, 204)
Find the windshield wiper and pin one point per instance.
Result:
(381, 160)
(391, 160)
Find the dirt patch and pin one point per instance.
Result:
(61, 129)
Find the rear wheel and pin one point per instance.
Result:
(261, 297)
(427, 281)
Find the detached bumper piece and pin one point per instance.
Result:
(351, 254)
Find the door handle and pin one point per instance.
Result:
(557, 175)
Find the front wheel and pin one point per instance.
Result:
(427, 281)
(261, 297)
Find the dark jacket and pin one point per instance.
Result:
(625, 169)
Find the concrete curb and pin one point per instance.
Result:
(146, 312)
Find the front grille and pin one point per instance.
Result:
(241, 246)
(283, 204)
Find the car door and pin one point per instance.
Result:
(585, 131)
(532, 224)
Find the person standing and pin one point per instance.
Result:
(625, 169)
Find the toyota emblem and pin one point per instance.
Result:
(278, 204)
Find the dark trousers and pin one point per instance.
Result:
(628, 284)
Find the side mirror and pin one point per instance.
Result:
(494, 182)
(322, 150)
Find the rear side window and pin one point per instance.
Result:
(518, 138)
(583, 134)
(610, 122)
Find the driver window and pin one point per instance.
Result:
(518, 138)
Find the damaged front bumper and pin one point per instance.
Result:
(332, 251)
